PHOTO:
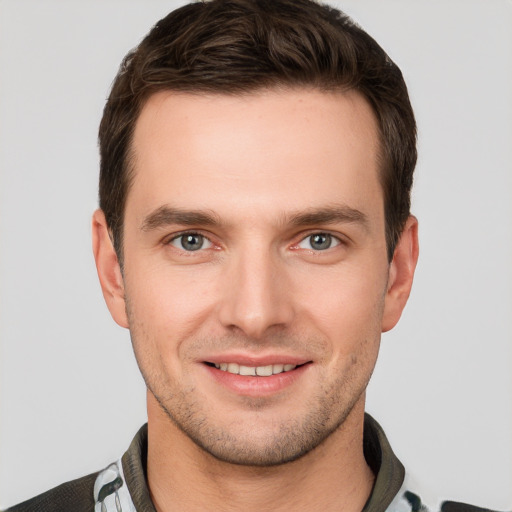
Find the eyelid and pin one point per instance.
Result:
(336, 238)
(175, 236)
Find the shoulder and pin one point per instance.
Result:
(408, 501)
(108, 489)
(455, 506)
(77, 495)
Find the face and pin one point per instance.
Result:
(256, 282)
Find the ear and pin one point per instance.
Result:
(401, 274)
(109, 270)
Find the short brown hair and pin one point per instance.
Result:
(238, 46)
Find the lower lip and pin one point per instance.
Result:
(254, 385)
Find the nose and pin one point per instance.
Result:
(257, 294)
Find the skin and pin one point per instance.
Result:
(254, 178)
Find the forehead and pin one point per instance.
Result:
(291, 148)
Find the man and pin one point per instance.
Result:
(255, 237)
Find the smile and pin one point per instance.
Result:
(260, 371)
(260, 377)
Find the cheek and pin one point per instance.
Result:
(347, 310)
(345, 299)
(168, 306)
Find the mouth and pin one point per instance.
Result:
(254, 371)
(257, 378)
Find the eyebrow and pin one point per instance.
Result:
(329, 215)
(166, 215)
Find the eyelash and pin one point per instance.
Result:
(189, 234)
(331, 239)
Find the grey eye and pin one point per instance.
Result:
(319, 242)
(191, 242)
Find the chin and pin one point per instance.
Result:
(239, 442)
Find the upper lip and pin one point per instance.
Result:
(253, 360)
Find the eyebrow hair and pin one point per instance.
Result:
(329, 215)
(166, 215)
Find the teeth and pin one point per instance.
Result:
(247, 370)
(264, 371)
(277, 368)
(261, 371)
(233, 368)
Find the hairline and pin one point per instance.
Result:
(383, 160)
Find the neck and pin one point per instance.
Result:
(183, 477)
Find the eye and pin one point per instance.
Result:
(191, 242)
(318, 242)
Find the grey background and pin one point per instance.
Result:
(71, 397)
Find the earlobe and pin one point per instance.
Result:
(401, 274)
(109, 271)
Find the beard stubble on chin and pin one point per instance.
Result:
(286, 442)
(260, 444)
